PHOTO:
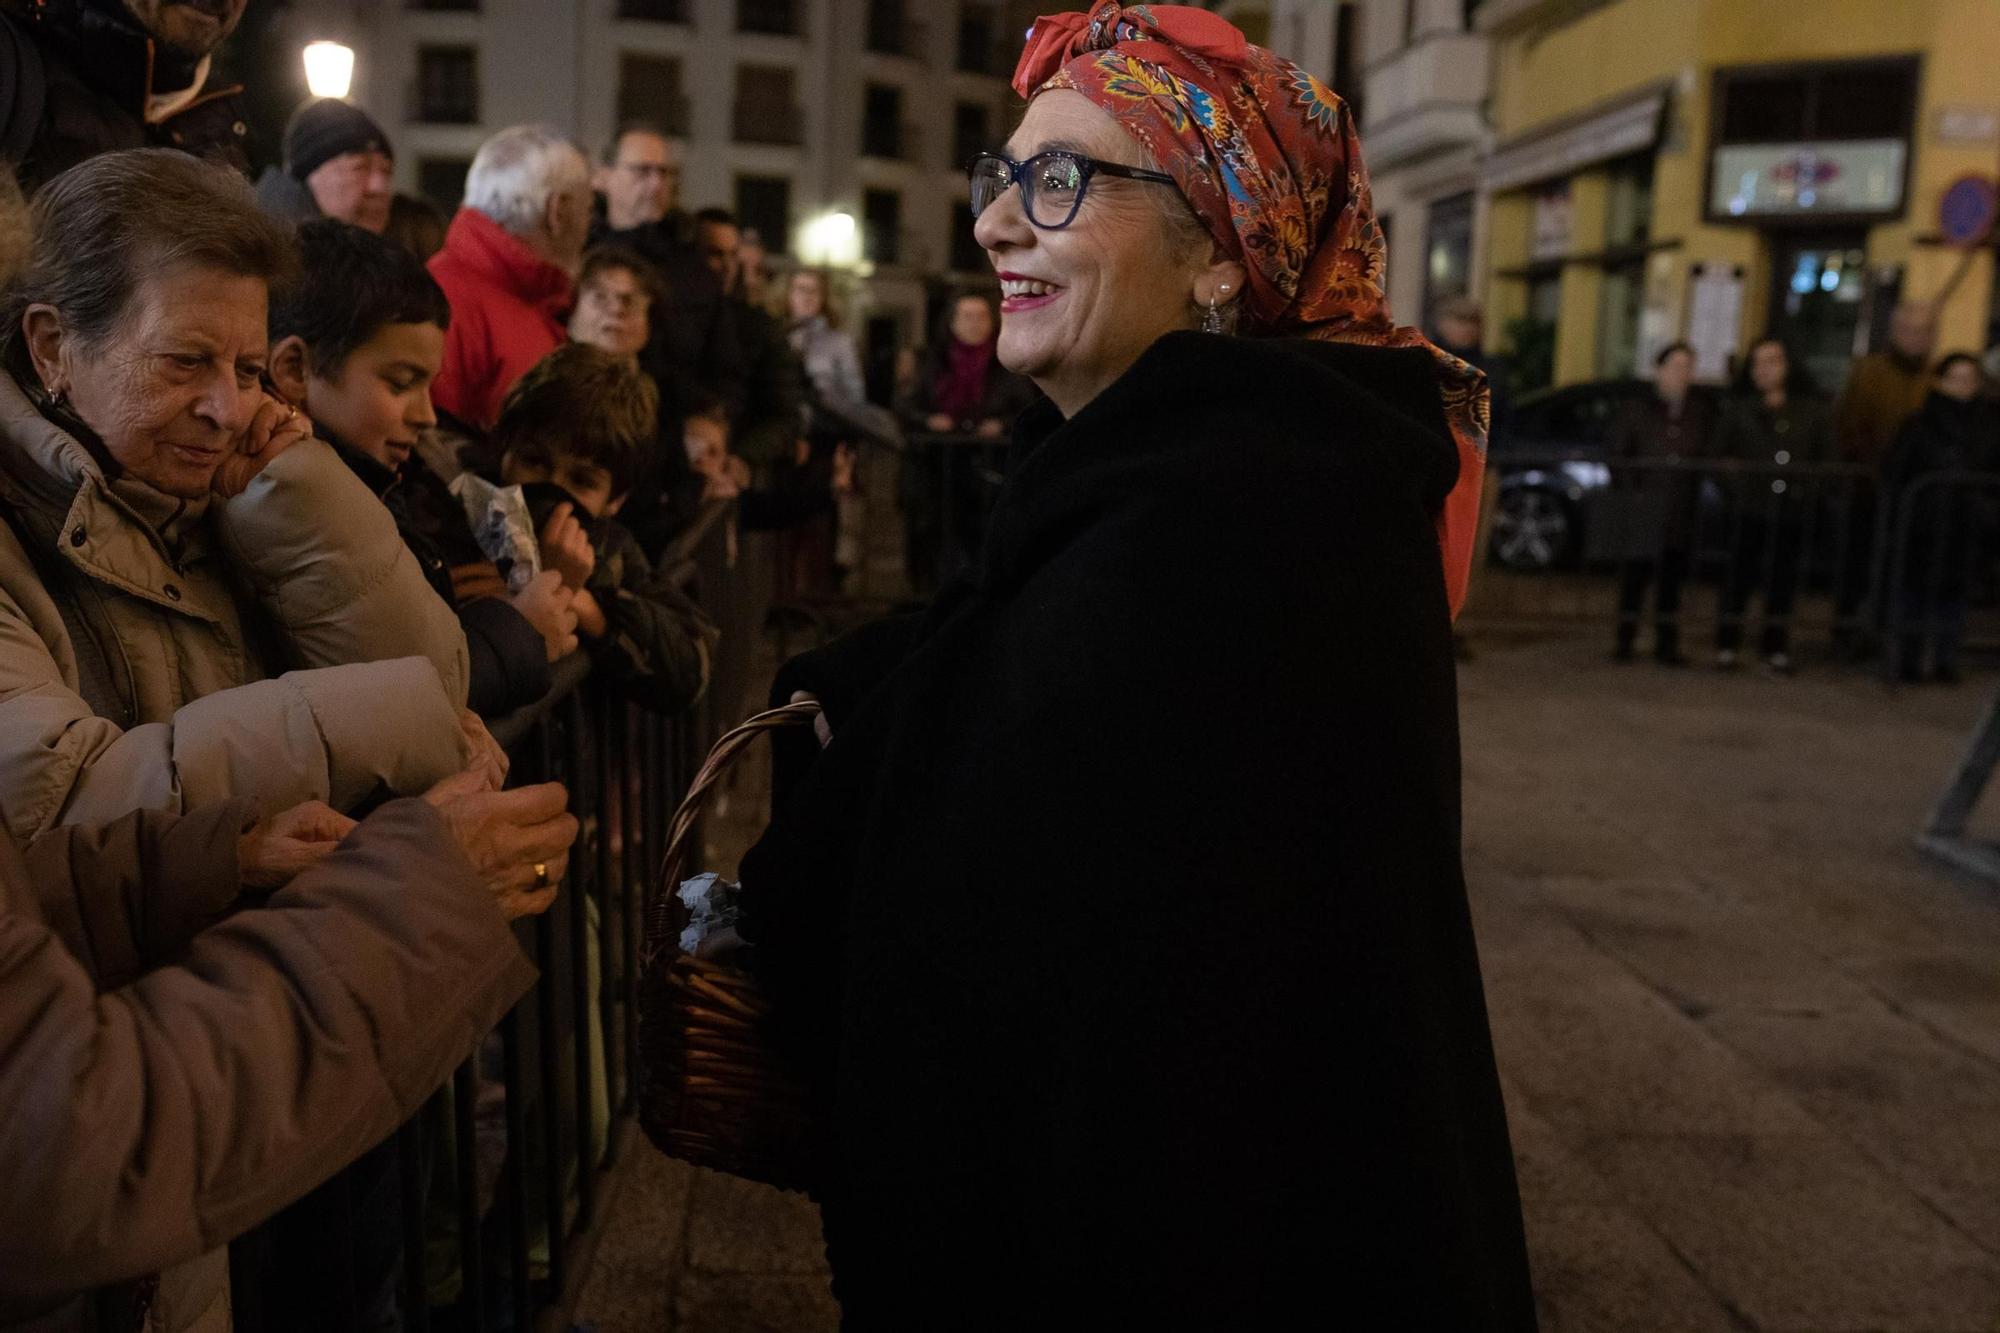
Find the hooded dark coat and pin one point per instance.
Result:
(1122, 927)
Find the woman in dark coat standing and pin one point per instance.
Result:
(1120, 924)
(1775, 422)
(1941, 528)
(961, 389)
(1658, 506)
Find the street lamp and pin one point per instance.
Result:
(329, 68)
(831, 239)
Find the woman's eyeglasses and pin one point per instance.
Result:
(1052, 183)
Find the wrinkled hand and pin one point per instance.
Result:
(566, 546)
(550, 606)
(821, 727)
(992, 429)
(278, 848)
(938, 423)
(275, 428)
(506, 835)
(484, 759)
(843, 469)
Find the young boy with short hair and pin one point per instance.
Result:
(355, 344)
(572, 433)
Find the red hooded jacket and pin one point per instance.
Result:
(505, 306)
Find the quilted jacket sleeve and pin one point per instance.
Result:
(324, 556)
(153, 1121)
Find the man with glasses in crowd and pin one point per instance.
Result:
(694, 340)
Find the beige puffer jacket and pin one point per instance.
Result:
(144, 681)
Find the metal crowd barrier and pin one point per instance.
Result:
(482, 1213)
(948, 484)
(1717, 544)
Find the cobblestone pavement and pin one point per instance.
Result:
(1751, 1043)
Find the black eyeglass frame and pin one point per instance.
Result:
(1087, 167)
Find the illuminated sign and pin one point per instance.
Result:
(1794, 179)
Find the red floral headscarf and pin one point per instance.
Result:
(1267, 156)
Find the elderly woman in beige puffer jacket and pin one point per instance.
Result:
(174, 540)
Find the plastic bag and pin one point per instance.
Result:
(502, 526)
(710, 901)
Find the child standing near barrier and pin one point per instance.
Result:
(355, 343)
(571, 434)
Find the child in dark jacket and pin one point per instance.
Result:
(571, 434)
(355, 343)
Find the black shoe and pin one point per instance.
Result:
(1945, 675)
(1622, 653)
(1673, 659)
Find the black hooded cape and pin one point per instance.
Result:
(1122, 927)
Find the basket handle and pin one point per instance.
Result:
(681, 829)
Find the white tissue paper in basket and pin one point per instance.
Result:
(711, 924)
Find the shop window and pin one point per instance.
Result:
(1622, 298)
(764, 205)
(1532, 338)
(1628, 206)
(1447, 252)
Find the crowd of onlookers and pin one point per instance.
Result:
(303, 486)
(1892, 538)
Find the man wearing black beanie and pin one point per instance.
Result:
(338, 164)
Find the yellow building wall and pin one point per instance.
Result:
(1541, 77)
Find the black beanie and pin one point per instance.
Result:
(321, 131)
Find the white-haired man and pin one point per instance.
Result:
(507, 265)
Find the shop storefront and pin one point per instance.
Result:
(1812, 156)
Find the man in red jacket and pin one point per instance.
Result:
(507, 266)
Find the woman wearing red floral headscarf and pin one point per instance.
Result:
(1120, 926)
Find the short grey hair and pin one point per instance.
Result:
(517, 172)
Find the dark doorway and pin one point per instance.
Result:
(1819, 282)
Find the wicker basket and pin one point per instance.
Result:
(710, 1090)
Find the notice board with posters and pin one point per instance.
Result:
(1715, 318)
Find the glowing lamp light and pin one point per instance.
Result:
(830, 239)
(329, 68)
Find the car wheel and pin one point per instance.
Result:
(1532, 530)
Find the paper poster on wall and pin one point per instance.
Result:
(1715, 314)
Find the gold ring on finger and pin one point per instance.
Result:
(541, 874)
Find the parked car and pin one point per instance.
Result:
(1551, 468)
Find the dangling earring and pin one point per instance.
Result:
(1213, 321)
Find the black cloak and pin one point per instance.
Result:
(1122, 929)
